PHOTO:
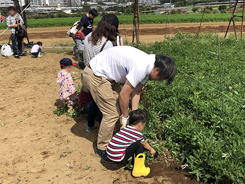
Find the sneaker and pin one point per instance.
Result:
(17, 56)
(89, 129)
(23, 54)
(39, 55)
(102, 154)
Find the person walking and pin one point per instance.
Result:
(13, 20)
(128, 65)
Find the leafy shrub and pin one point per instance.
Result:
(208, 11)
(222, 11)
(209, 8)
(50, 15)
(173, 12)
(61, 14)
(178, 11)
(195, 9)
(188, 115)
(179, 4)
(222, 7)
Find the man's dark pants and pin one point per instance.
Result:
(14, 42)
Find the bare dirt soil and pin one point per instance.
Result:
(39, 147)
(149, 33)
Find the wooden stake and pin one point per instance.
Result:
(138, 19)
(242, 17)
(136, 28)
(233, 20)
(201, 22)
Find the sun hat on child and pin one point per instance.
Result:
(66, 62)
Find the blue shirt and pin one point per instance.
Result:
(88, 25)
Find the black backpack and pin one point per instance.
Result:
(20, 31)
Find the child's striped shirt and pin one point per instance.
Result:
(121, 141)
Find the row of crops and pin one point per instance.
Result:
(191, 117)
(128, 19)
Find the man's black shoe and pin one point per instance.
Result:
(103, 155)
(17, 56)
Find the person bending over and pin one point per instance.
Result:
(130, 142)
(37, 49)
(67, 92)
(127, 65)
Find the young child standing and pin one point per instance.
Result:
(130, 142)
(67, 92)
(87, 104)
(37, 49)
(79, 37)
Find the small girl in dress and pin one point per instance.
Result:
(67, 92)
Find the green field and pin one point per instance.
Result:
(128, 19)
(189, 118)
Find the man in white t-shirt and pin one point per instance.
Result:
(125, 64)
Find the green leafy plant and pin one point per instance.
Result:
(187, 117)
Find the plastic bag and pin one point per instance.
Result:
(6, 50)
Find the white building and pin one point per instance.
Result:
(149, 1)
(56, 2)
(6, 3)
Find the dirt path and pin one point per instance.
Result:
(149, 33)
(38, 147)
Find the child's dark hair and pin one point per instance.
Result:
(63, 67)
(11, 8)
(40, 43)
(136, 117)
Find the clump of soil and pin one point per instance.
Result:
(164, 169)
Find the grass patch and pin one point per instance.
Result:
(58, 51)
(127, 19)
(62, 44)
